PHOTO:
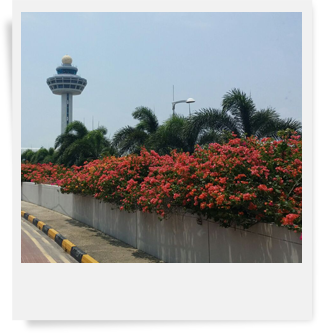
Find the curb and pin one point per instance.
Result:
(65, 244)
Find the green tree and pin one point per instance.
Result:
(249, 121)
(238, 115)
(40, 156)
(209, 125)
(129, 139)
(27, 155)
(74, 132)
(77, 145)
(170, 136)
(51, 157)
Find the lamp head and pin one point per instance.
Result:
(190, 100)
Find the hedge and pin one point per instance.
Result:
(242, 182)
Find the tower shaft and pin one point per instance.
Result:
(66, 110)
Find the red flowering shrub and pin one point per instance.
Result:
(239, 183)
(114, 180)
(43, 173)
(242, 182)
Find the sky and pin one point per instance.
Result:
(134, 59)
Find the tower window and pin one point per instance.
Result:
(61, 71)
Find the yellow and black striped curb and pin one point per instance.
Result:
(64, 243)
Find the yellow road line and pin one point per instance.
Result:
(35, 231)
(64, 259)
(43, 239)
(49, 258)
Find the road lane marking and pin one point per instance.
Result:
(43, 239)
(36, 232)
(64, 259)
(66, 245)
(49, 258)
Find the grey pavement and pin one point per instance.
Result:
(100, 246)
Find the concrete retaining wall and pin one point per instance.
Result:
(178, 239)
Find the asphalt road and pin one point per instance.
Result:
(37, 247)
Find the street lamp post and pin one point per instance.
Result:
(188, 101)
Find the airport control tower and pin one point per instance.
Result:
(67, 84)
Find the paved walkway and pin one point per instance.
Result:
(102, 247)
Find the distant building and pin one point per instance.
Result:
(67, 84)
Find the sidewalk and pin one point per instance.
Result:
(102, 247)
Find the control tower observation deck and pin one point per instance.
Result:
(67, 84)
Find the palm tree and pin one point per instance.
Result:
(129, 139)
(283, 124)
(51, 157)
(249, 121)
(241, 108)
(238, 115)
(77, 145)
(74, 132)
(169, 136)
(101, 145)
(209, 125)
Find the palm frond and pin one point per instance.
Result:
(285, 124)
(77, 128)
(77, 152)
(129, 140)
(264, 122)
(290, 123)
(211, 136)
(148, 120)
(122, 134)
(209, 119)
(241, 108)
(169, 136)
